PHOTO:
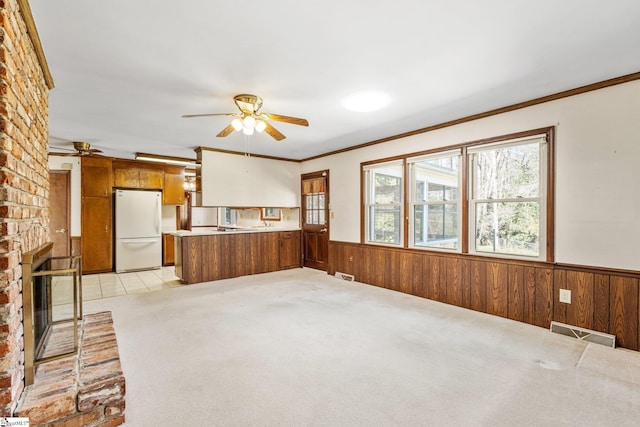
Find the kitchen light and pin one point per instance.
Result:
(367, 101)
(166, 159)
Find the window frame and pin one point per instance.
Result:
(541, 199)
(412, 202)
(547, 179)
(368, 178)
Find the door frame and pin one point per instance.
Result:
(326, 234)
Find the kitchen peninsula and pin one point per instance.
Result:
(214, 254)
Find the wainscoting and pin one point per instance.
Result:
(602, 300)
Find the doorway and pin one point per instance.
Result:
(59, 211)
(315, 219)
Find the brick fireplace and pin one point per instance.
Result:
(24, 180)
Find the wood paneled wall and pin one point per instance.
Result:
(601, 300)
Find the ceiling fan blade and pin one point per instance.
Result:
(56, 153)
(188, 116)
(225, 132)
(63, 148)
(275, 133)
(286, 119)
(95, 150)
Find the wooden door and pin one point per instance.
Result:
(315, 219)
(60, 212)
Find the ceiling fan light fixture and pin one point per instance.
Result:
(260, 126)
(249, 122)
(247, 130)
(237, 124)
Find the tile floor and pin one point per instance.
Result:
(107, 285)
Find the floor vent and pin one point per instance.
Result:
(584, 334)
(345, 276)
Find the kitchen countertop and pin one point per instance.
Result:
(212, 231)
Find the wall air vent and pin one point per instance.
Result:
(584, 334)
(345, 276)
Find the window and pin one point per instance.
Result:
(314, 195)
(434, 194)
(492, 197)
(507, 196)
(384, 203)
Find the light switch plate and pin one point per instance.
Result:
(565, 296)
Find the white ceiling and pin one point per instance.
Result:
(125, 71)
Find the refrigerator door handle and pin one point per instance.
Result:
(159, 215)
(138, 241)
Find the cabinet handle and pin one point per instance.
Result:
(106, 228)
(62, 230)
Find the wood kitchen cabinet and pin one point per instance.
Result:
(168, 249)
(205, 257)
(96, 177)
(290, 249)
(135, 174)
(173, 190)
(96, 220)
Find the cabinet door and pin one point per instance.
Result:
(126, 178)
(152, 179)
(168, 250)
(96, 181)
(173, 192)
(97, 235)
(289, 249)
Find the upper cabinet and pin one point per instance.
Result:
(135, 174)
(173, 190)
(96, 176)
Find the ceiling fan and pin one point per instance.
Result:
(250, 119)
(80, 148)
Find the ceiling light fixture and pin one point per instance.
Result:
(366, 101)
(166, 159)
(248, 124)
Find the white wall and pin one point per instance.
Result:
(233, 180)
(72, 164)
(597, 172)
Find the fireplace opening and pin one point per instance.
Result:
(52, 305)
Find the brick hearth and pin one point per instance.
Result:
(83, 390)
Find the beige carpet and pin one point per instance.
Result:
(301, 348)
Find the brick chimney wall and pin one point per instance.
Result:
(24, 184)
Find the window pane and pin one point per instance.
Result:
(314, 219)
(309, 217)
(443, 224)
(388, 189)
(321, 219)
(308, 199)
(509, 172)
(321, 201)
(441, 230)
(419, 194)
(508, 228)
(385, 224)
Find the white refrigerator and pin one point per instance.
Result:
(138, 215)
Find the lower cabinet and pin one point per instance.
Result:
(290, 250)
(168, 250)
(201, 258)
